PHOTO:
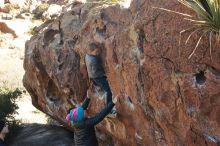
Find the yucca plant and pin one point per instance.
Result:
(207, 20)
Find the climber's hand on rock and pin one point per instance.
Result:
(115, 100)
(89, 93)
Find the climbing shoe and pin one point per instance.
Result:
(113, 113)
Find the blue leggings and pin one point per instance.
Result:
(103, 83)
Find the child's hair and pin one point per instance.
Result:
(68, 111)
(93, 46)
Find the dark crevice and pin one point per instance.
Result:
(105, 17)
(53, 99)
(75, 38)
(59, 58)
(101, 31)
(66, 56)
(214, 71)
(49, 36)
(72, 93)
(38, 62)
(52, 94)
(129, 99)
(61, 34)
(61, 66)
(200, 78)
(179, 94)
(141, 50)
(141, 38)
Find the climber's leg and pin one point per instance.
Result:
(103, 83)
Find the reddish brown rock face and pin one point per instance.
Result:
(174, 100)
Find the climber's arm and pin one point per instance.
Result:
(87, 100)
(100, 116)
(86, 103)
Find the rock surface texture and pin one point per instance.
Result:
(173, 100)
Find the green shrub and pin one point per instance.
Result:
(32, 31)
(38, 12)
(8, 104)
(8, 109)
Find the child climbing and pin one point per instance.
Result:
(96, 72)
(84, 131)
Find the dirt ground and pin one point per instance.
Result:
(11, 70)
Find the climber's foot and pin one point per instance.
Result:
(113, 113)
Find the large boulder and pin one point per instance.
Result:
(172, 100)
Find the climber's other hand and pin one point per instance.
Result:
(115, 100)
